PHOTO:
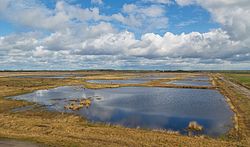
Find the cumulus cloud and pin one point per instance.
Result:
(212, 45)
(17, 11)
(85, 38)
(141, 18)
(40, 52)
(65, 16)
(203, 48)
(232, 15)
(36, 15)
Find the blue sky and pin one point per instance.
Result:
(126, 34)
(181, 19)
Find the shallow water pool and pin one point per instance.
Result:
(144, 107)
(190, 83)
(129, 81)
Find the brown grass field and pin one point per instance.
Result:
(57, 129)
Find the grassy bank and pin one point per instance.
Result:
(239, 103)
(57, 129)
(243, 79)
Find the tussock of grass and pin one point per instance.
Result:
(78, 104)
(194, 128)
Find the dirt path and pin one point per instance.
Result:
(14, 143)
(240, 88)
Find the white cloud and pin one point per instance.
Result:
(99, 2)
(234, 18)
(40, 52)
(185, 2)
(142, 19)
(75, 42)
(37, 15)
(186, 23)
(151, 11)
(67, 16)
(108, 44)
(100, 29)
(40, 17)
(212, 45)
(159, 1)
(231, 14)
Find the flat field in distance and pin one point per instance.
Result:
(241, 78)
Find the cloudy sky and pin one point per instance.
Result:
(125, 34)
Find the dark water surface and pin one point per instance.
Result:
(129, 81)
(198, 78)
(145, 107)
(190, 83)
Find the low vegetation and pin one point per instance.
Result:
(240, 104)
(194, 128)
(78, 104)
(58, 129)
(240, 78)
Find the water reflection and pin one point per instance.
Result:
(192, 81)
(145, 107)
(129, 81)
(198, 78)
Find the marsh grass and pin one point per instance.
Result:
(63, 129)
(77, 104)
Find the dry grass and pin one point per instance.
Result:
(68, 130)
(240, 104)
(58, 129)
(194, 126)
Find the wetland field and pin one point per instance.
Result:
(93, 108)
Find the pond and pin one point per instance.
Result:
(138, 80)
(129, 81)
(198, 78)
(190, 83)
(144, 107)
